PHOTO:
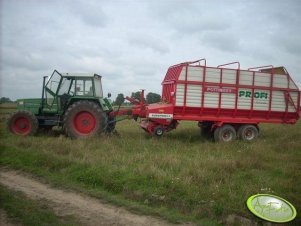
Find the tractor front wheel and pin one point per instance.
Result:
(23, 123)
(84, 119)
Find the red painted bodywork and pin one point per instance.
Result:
(218, 116)
(234, 115)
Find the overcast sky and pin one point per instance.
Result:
(132, 43)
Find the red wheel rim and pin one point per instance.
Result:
(21, 126)
(84, 122)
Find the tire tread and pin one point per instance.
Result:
(85, 105)
(24, 113)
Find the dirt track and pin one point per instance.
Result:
(88, 211)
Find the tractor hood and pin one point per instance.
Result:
(32, 105)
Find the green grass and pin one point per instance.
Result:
(179, 177)
(28, 212)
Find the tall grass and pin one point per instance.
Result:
(181, 172)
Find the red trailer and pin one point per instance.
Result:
(230, 103)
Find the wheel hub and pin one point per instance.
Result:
(227, 136)
(84, 122)
(249, 134)
(21, 126)
(159, 132)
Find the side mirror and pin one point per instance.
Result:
(109, 95)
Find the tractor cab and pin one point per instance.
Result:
(63, 88)
(73, 101)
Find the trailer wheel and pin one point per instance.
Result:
(23, 123)
(226, 133)
(158, 131)
(248, 132)
(84, 119)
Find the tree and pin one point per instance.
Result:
(153, 98)
(136, 95)
(119, 99)
(5, 100)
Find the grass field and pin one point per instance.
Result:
(179, 177)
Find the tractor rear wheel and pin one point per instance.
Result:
(23, 123)
(248, 132)
(226, 133)
(84, 119)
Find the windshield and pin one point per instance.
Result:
(65, 86)
(53, 82)
(51, 87)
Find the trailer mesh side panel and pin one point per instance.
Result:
(219, 94)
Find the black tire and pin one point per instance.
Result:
(226, 133)
(84, 119)
(159, 131)
(248, 132)
(23, 123)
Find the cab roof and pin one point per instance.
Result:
(86, 75)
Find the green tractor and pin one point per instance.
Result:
(73, 101)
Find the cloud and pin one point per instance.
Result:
(132, 43)
(289, 44)
(191, 17)
(224, 41)
(91, 13)
(148, 41)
